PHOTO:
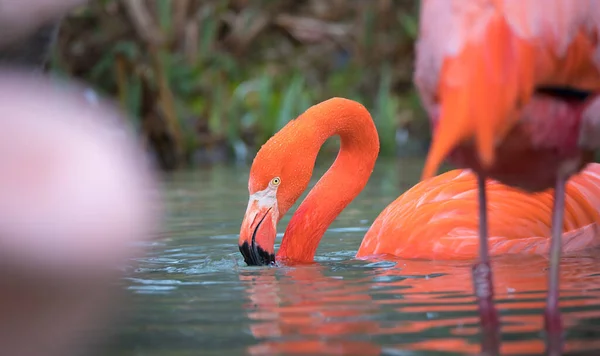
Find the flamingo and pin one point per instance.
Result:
(510, 88)
(432, 220)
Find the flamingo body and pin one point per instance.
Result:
(489, 71)
(436, 219)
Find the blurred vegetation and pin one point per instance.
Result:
(209, 80)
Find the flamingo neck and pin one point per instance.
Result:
(342, 182)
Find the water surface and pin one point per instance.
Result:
(193, 294)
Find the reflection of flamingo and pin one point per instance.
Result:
(434, 220)
(302, 302)
(302, 311)
(511, 88)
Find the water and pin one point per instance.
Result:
(193, 294)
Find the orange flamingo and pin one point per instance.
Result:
(511, 88)
(433, 220)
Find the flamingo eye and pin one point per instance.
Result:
(275, 181)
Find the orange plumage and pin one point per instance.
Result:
(480, 62)
(511, 88)
(436, 219)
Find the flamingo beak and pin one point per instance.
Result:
(258, 232)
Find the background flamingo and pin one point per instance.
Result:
(434, 220)
(510, 87)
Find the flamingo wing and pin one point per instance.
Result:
(436, 219)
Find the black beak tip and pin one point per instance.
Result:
(255, 256)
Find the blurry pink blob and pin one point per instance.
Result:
(77, 199)
(75, 188)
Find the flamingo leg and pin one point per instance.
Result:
(552, 318)
(482, 279)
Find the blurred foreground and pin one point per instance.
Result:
(77, 197)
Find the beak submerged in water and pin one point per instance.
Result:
(258, 232)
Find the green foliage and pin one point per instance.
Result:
(239, 71)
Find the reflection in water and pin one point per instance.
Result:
(194, 295)
(303, 303)
(414, 305)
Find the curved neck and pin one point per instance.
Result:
(342, 182)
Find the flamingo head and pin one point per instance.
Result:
(279, 174)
